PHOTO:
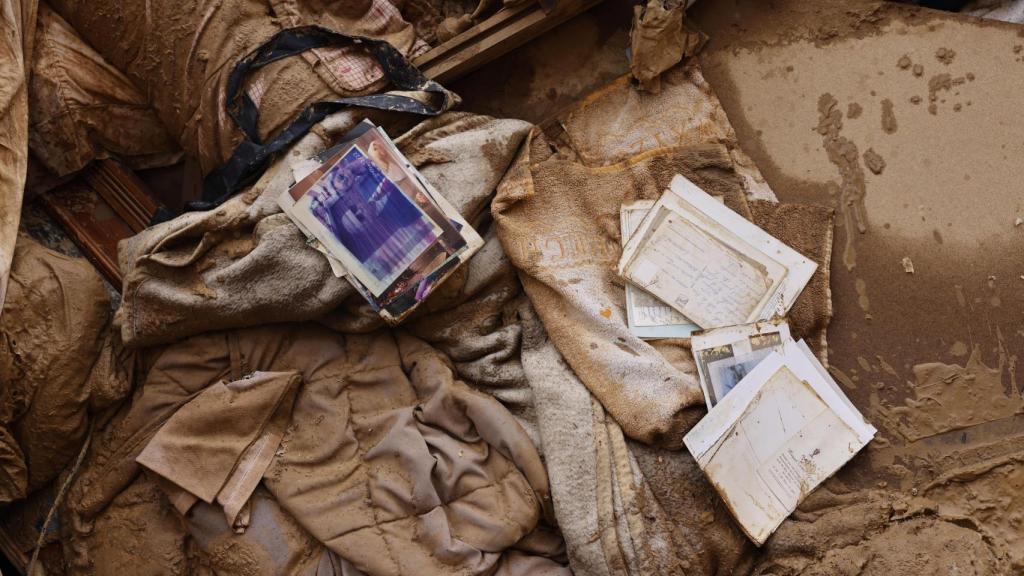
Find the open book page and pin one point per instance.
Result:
(724, 356)
(711, 264)
(649, 317)
(775, 438)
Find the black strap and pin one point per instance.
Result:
(251, 157)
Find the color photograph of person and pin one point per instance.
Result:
(371, 217)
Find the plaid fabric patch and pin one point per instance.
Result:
(352, 68)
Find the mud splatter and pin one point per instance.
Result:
(950, 397)
(862, 294)
(854, 110)
(937, 83)
(846, 157)
(874, 161)
(889, 124)
(945, 55)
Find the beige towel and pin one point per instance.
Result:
(218, 446)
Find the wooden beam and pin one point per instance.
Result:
(506, 30)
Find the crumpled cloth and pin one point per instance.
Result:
(180, 56)
(557, 215)
(18, 21)
(1005, 10)
(659, 39)
(245, 263)
(559, 223)
(83, 108)
(625, 506)
(389, 461)
(217, 447)
(52, 332)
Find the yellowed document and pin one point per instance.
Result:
(775, 437)
(726, 355)
(648, 317)
(709, 263)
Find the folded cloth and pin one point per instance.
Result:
(18, 20)
(388, 460)
(218, 446)
(559, 223)
(623, 507)
(51, 334)
(83, 108)
(181, 56)
(245, 263)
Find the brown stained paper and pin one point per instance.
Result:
(660, 39)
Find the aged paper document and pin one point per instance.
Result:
(783, 430)
(648, 317)
(709, 263)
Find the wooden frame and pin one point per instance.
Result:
(103, 205)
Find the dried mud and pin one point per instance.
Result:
(928, 352)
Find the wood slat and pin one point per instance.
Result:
(104, 205)
(506, 30)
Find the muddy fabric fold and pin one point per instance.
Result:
(139, 531)
(18, 21)
(623, 507)
(659, 39)
(180, 55)
(83, 108)
(559, 223)
(557, 215)
(388, 460)
(273, 540)
(51, 333)
(218, 446)
(245, 263)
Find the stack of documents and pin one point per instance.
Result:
(778, 434)
(380, 224)
(706, 262)
(777, 423)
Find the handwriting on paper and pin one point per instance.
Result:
(706, 280)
